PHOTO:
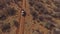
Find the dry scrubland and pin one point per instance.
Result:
(40, 17)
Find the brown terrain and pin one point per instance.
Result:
(29, 16)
